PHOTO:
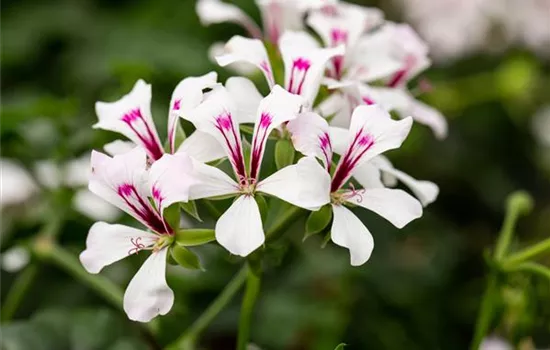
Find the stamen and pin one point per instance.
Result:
(137, 246)
(355, 193)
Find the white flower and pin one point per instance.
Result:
(495, 343)
(304, 60)
(240, 229)
(16, 183)
(372, 132)
(131, 115)
(125, 182)
(278, 16)
(15, 258)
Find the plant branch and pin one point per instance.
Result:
(532, 267)
(484, 317)
(249, 300)
(528, 253)
(187, 340)
(20, 286)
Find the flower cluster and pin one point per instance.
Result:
(366, 64)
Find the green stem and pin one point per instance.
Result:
(68, 262)
(285, 220)
(528, 253)
(506, 234)
(188, 339)
(485, 314)
(247, 309)
(18, 290)
(532, 268)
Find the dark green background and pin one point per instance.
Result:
(421, 288)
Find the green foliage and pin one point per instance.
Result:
(186, 258)
(284, 153)
(318, 220)
(190, 208)
(194, 237)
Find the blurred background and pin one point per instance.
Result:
(423, 285)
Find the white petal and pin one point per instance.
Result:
(304, 63)
(240, 49)
(187, 95)
(340, 139)
(276, 108)
(131, 116)
(369, 176)
(122, 181)
(425, 191)
(396, 206)
(16, 183)
(279, 16)
(214, 182)
(344, 24)
(349, 232)
(216, 11)
(429, 116)
(94, 207)
(108, 243)
(203, 147)
(247, 98)
(170, 179)
(311, 136)
(241, 68)
(148, 294)
(14, 259)
(77, 171)
(239, 229)
(386, 133)
(216, 116)
(48, 174)
(118, 147)
(305, 184)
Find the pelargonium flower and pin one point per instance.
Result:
(125, 182)
(131, 117)
(398, 43)
(240, 228)
(371, 132)
(304, 61)
(350, 25)
(278, 16)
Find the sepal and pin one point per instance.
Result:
(284, 153)
(317, 221)
(186, 258)
(194, 237)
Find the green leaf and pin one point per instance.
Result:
(185, 257)
(194, 237)
(318, 221)
(180, 135)
(247, 129)
(326, 240)
(262, 204)
(284, 153)
(191, 209)
(172, 215)
(341, 346)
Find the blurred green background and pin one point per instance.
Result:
(420, 290)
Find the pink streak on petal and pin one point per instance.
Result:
(133, 119)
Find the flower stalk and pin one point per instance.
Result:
(249, 300)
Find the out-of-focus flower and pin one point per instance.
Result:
(541, 126)
(304, 60)
(125, 181)
(278, 16)
(401, 45)
(495, 343)
(304, 184)
(455, 28)
(16, 258)
(372, 132)
(17, 184)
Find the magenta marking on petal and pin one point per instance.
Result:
(258, 144)
(367, 100)
(135, 120)
(267, 70)
(326, 148)
(176, 106)
(225, 125)
(298, 73)
(361, 143)
(143, 209)
(400, 77)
